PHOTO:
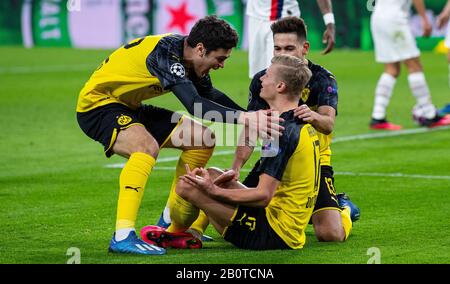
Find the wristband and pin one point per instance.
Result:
(328, 18)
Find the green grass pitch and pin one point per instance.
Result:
(56, 193)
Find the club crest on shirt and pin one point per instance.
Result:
(305, 94)
(177, 69)
(123, 120)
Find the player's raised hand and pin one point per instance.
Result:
(199, 177)
(328, 38)
(225, 177)
(263, 122)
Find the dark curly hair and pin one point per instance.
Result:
(214, 33)
(290, 24)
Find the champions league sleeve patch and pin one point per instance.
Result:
(332, 90)
(177, 69)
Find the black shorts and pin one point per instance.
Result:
(326, 198)
(104, 123)
(251, 230)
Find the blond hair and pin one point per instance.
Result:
(293, 71)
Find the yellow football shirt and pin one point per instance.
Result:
(297, 167)
(142, 69)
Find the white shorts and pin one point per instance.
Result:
(447, 36)
(260, 45)
(393, 40)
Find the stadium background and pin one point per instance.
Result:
(58, 193)
(110, 23)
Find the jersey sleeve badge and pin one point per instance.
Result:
(177, 69)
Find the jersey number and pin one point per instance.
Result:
(127, 46)
(134, 43)
(316, 166)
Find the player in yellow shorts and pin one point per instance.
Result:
(110, 111)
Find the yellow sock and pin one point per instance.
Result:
(183, 214)
(201, 223)
(195, 159)
(346, 221)
(132, 184)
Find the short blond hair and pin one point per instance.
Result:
(293, 71)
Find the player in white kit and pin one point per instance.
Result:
(262, 13)
(395, 44)
(441, 20)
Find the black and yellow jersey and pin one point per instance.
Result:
(297, 166)
(321, 90)
(149, 67)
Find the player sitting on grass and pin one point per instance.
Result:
(272, 210)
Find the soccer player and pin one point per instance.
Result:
(262, 13)
(395, 44)
(110, 111)
(272, 210)
(441, 20)
(333, 214)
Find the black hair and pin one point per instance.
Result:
(290, 24)
(214, 33)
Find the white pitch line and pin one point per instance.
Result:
(47, 69)
(388, 134)
(171, 159)
(367, 136)
(393, 175)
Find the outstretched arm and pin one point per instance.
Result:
(189, 97)
(328, 38)
(266, 124)
(220, 98)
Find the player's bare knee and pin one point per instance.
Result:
(214, 172)
(413, 65)
(329, 233)
(393, 70)
(145, 143)
(183, 189)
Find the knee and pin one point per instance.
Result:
(414, 66)
(148, 147)
(183, 189)
(136, 139)
(214, 172)
(329, 233)
(393, 71)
